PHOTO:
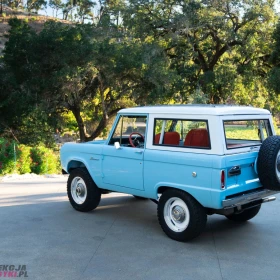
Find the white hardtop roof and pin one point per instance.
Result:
(196, 109)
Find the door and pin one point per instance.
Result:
(123, 165)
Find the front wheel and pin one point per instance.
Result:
(82, 192)
(181, 217)
(244, 215)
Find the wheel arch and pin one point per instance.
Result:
(193, 192)
(162, 189)
(74, 164)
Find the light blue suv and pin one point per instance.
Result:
(192, 160)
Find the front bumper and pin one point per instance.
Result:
(256, 197)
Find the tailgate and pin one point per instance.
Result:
(240, 172)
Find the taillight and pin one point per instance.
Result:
(223, 179)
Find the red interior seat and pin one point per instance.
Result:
(169, 138)
(197, 138)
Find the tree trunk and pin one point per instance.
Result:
(81, 126)
(65, 15)
(103, 123)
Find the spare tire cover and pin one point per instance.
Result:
(268, 163)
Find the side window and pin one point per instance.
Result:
(181, 133)
(130, 131)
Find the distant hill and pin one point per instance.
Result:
(36, 21)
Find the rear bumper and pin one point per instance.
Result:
(243, 199)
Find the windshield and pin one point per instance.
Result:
(246, 133)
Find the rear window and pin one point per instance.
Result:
(246, 133)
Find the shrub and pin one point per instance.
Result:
(7, 157)
(15, 158)
(44, 160)
(24, 159)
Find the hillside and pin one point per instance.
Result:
(36, 21)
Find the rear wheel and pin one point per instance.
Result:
(245, 215)
(181, 217)
(82, 192)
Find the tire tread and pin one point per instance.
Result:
(266, 163)
(246, 215)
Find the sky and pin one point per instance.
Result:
(50, 12)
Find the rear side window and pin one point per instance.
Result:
(181, 133)
(246, 133)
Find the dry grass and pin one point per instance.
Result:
(34, 20)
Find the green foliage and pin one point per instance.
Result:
(274, 74)
(15, 102)
(14, 158)
(84, 9)
(242, 133)
(18, 158)
(14, 4)
(76, 77)
(56, 5)
(44, 160)
(275, 57)
(23, 159)
(7, 157)
(80, 69)
(35, 5)
(215, 46)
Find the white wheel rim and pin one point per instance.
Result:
(78, 190)
(176, 214)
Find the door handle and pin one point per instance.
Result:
(139, 152)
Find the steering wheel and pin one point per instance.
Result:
(135, 143)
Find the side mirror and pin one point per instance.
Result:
(117, 145)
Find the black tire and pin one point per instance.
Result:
(92, 194)
(140, 197)
(246, 215)
(196, 220)
(268, 163)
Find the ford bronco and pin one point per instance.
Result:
(192, 160)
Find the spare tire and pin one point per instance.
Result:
(268, 163)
